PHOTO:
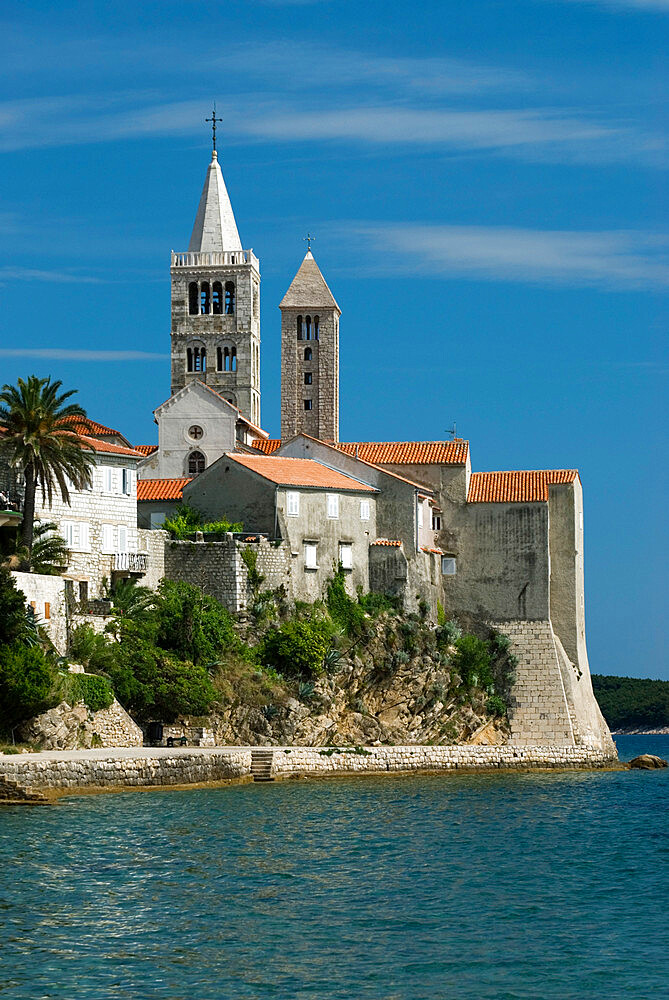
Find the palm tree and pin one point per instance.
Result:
(50, 555)
(38, 440)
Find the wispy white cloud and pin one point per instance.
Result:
(612, 260)
(66, 354)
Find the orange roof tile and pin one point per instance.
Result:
(516, 487)
(387, 541)
(86, 426)
(161, 489)
(146, 449)
(392, 452)
(409, 452)
(299, 472)
(435, 551)
(107, 447)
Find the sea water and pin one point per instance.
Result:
(504, 886)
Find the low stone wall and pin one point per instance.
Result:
(151, 767)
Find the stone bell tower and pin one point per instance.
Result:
(310, 356)
(216, 304)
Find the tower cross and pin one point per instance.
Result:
(213, 121)
(307, 239)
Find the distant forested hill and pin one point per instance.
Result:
(627, 702)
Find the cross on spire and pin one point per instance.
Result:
(213, 121)
(307, 239)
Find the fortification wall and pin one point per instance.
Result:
(151, 767)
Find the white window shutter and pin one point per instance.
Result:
(310, 550)
(84, 537)
(292, 504)
(333, 505)
(346, 555)
(364, 510)
(107, 538)
(122, 538)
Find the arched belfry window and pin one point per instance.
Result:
(315, 327)
(217, 298)
(226, 359)
(307, 327)
(233, 359)
(307, 354)
(196, 357)
(219, 359)
(229, 298)
(205, 298)
(196, 463)
(299, 328)
(193, 294)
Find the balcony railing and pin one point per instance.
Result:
(214, 258)
(130, 562)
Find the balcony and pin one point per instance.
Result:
(215, 259)
(130, 562)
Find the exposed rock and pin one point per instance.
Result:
(648, 762)
(71, 727)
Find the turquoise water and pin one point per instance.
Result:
(397, 888)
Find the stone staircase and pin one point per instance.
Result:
(12, 791)
(261, 764)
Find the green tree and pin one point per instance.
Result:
(26, 684)
(41, 442)
(297, 648)
(12, 609)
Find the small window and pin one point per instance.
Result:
(219, 359)
(108, 538)
(83, 591)
(315, 328)
(307, 354)
(205, 298)
(233, 359)
(157, 518)
(310, 555)
(333, 505)
(122, 538)
(448, 566)
(308, 378)
(229, 298)
(346, 555)
(127, 482)
(195, 431)
(193, 295)
(308, 404)
(292, 504)
(217, 298)
(299, 329)
(436, 522)
(364, 510)
(196, 463)
(47, 611)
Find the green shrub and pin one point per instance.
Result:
(472, 661)
(193, 625)
(375, 604)
(297, 648)
(187, 520)
(344, 611)
(496, 705)
(448, 634)
(250, 560)
(12, 609)
(95, 692)
(27, 684)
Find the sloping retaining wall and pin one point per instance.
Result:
(106, 769)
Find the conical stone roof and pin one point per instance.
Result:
(215, 228)
(308, 289)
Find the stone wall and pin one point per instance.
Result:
(69, 727)
(155, 767)
(219, 569)
(46, 595)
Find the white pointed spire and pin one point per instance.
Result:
(215, 228)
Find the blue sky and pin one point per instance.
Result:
(487, 186)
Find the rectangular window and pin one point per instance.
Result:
(127, 475)
(292, 504)
(157, 518)
(108, 479)
(308, 378)
(448, 566)
(436, 522)
(122, 538)
(76, 535)
(420, 515)
(310, 552)
(364, 510)
(47, 611)
(108, 538)
(333, 505)
(346, 555)
(308, 404)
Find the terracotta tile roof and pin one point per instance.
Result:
(435, 551)
(86, 426)
(161, 489)
(107, 447)
(387, 541)
(409, 452)
(146, 449)
(299, 472)
(516, 487)
(267, 445)
(392, 452)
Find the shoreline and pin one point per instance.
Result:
(48, 775)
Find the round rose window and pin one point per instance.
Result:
(195, 432)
